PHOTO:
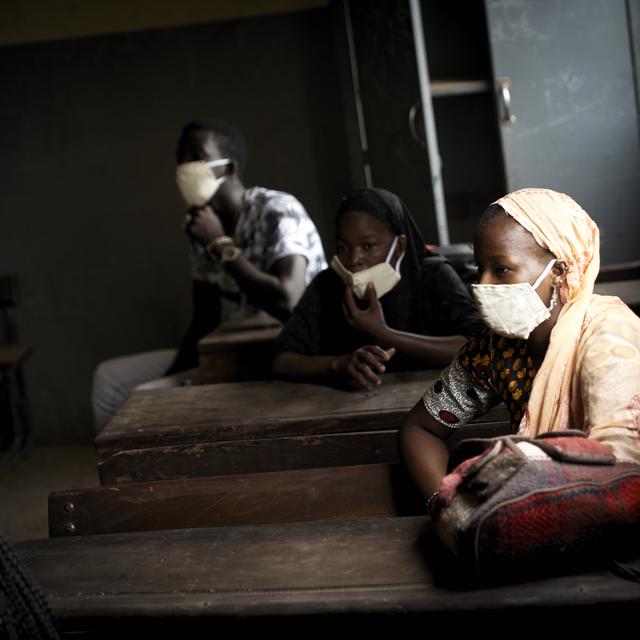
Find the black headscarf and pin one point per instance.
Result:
(430, 298)
(402, 307)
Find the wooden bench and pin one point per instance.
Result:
(260, 426)
(277, 496)
(373, 569)
(239, 350)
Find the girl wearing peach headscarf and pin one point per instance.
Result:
(559, 356)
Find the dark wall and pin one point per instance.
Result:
(89, 213)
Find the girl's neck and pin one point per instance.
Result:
(538, 341)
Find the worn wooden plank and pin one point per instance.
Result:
(242, 411)
(285, 496)
(366, 566)
(239, 350)
(248, 361)
(265, 454)
(238, 325)
(248, 456)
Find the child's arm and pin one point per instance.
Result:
(422, 447)
(362, 365)
(435, 350)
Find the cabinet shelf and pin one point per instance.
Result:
(445, 88)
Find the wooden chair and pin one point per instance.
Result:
(13, 394)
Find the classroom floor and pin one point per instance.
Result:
(27, 478)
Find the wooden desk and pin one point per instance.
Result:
(260, 426)
(200, 578)
(301, 495)
(238, 350)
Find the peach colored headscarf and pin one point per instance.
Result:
(590, 376)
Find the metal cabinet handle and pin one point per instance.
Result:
(504, 92)
(413, 124)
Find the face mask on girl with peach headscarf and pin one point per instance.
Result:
(513, 310)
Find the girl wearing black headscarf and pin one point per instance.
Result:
(386, 303)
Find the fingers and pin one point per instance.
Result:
(349, 305)
(372, 297)
(362, 374)
(366, 363)
(379, 354)
(205, 210)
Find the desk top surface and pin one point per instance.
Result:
(365, 565)
(246, 410)
(240, 410)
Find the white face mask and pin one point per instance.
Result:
(197, 181)
(383, 275)
(513, 310)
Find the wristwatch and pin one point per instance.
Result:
(228, 251)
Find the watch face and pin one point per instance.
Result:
(230, 253)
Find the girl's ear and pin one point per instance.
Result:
(559, 272)
(401, 246)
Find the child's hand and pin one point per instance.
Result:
(370, 320)
(363, 365)
(205, 224)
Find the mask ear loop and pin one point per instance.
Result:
(544, 274)
(220, 162)
(394, 244)
(392, 249)
(541, 277)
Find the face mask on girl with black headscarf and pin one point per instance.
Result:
(383, 276)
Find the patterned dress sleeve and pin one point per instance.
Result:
(463, 391)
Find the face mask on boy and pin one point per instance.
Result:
(198, 182)
(383, 275)
(513, 310)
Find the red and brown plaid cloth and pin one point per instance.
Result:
(538, 504)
